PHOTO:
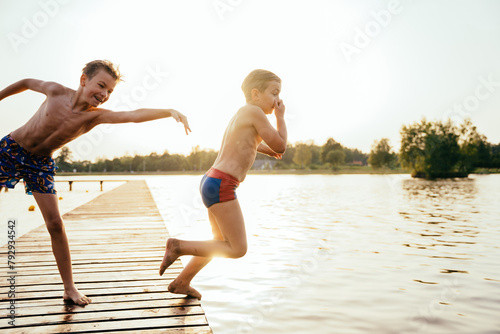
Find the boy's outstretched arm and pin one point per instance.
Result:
(141, 115)
(44, 87)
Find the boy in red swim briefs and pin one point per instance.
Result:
(248, 132)
(66, 114)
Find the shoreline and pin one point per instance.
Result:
(252, 172)
(340, 171)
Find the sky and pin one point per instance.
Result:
(353, 70)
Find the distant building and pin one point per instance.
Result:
(262, 164)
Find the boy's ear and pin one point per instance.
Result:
(255, 94)
(83, 80)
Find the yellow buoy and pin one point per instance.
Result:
(60, 198)
(31, 208)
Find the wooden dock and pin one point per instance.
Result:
(117, 242)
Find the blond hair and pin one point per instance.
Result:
(93, 67)
(257, 79)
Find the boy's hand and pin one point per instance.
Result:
(277, 155)
(279, 109)
(264, 149)
(180, 118)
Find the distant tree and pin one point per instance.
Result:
(381, 155)
(335, 158)
(316, 154)
(101, 164)
(412, 152)
(137, 163)
(360, 156)
(126, 162)
(287, 158)
(119, 165)
(495, 150)
(201, 159)
(441, 149)
(152, 161)
(484, 156)
(474, 148)
(303, 155)
(442, 152)
(349, 155)
(329, 146)
(63, 160)
(495, 156)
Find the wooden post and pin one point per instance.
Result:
(70, 185)
(101, 184)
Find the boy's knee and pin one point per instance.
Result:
(55, 225)
(218, 237)
(239, 252)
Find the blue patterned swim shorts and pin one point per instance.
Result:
(16, 163)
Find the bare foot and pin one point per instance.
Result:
(75, 296)
(171, 254)
(183, 289)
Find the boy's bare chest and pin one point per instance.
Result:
(60, 116)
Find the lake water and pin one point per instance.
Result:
(349, 253)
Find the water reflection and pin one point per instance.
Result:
(448, 191)
(440, 214)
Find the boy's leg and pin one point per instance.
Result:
(49, 207)
(181, 284)
(232, 227)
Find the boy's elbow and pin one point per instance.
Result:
(280, 149)
(24, 83)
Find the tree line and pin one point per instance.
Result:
(297, 156)
(428, 149)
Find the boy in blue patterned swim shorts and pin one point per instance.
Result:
(16, 163)
(248, 132)
(66, 114)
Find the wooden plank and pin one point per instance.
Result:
(133, 324)
(104, 261)
(92, 292)
(106, 266)
(159, 298)
(126, 312)
(94, 286)
(83, 248)
(91, 254)
(185, 330)
(149, 269)
(89, 276)
(117, 243)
